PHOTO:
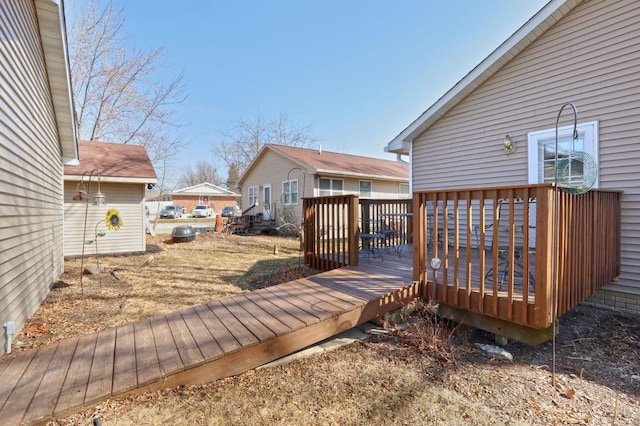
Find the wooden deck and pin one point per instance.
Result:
(199, 344)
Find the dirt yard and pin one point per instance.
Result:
(425, 372)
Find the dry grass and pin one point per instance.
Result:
(355, 385)
(427, 372)
(169, 277)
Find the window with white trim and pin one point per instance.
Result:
(290, 192)
(542, 150)
(365, 189)
(327, 186)
(253, 192)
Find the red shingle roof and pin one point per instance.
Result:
(345, 164)
(113, 160)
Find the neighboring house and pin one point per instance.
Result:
(205, 194)
(124, 173)
(585, 52)
(280, 176)
(38, 136)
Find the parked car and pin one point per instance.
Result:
(173, 212)
(202, 211)
(228, 211)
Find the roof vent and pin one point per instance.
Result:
(320, 150)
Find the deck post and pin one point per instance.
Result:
(352, 229)
(308, 229)
(544, 280)
(419, 243)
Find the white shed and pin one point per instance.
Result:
(121, 172)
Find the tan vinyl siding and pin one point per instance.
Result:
(274, 169)
(30, 169)
(127, 198)
(591, 58)
(380, 189)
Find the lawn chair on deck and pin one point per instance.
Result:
(370, 241)
(512, 253)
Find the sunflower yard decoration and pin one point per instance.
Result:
(113, 220)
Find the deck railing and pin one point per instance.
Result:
(333, 225)
(496, 246)
(499, 257)
(330, 231)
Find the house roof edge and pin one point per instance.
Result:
(550, 13)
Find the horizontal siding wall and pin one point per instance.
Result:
(127, 198)
(590, 58)
(30, 169)
(380, 189)
(274, 169)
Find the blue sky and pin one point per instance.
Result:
(357, 71)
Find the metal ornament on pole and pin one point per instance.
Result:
(99, 199)
(436, 264)
(554, 263)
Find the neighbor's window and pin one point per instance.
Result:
(365, 189)
(253, 195)
(290, 192)
(403, 190)
(542, 149)
(328, 187)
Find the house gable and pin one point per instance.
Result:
(206, 189)
(205, 194)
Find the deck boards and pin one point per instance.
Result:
(45, 399)
(222, 336)
(147, 363)
(75, 384)
(196, 344)
(25, 390)
(124, 372)
(207, 344)
(101, 375)
(168, 355)
(187, 347)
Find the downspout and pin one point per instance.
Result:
(10, 331)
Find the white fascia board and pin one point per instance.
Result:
(398, 147)
(53, 34)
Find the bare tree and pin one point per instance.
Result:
(243, 143)
(203, 172)
(233, 178)
(117, 93)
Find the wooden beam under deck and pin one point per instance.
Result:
(199, 344)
